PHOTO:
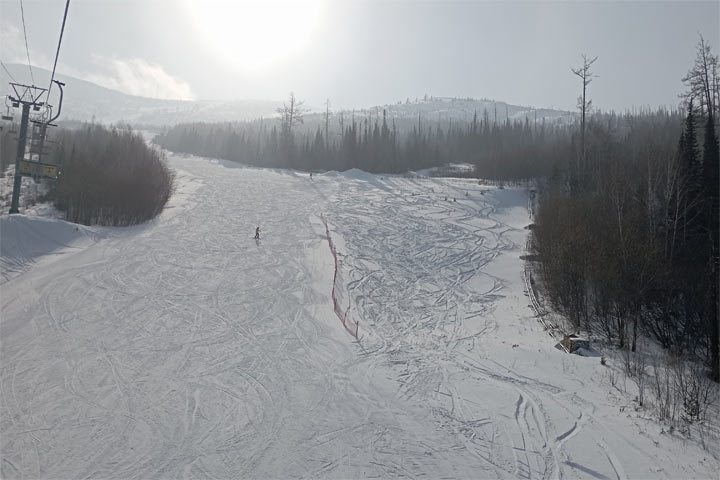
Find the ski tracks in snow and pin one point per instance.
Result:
(416, 263)
(180, 348)
(183, 348)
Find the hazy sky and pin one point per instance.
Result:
(365, 53)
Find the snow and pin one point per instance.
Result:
(30, 239)
(184, 348)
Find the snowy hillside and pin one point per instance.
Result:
(86, 101)
(184, 348)
(437, 113)
(445, 109)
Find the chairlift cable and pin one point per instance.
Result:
(27, 50)
(8, 72)
(57, 53)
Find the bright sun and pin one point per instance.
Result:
(254, 34)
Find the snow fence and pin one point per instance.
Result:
(352, 328)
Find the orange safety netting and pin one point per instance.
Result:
(352, 328)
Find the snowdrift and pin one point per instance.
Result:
(25, 240)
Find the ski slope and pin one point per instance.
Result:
(183, 348)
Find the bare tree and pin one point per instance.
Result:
(584, 105)
(327, 124)
(702, 80)
(291, 114)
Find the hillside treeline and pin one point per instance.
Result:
(509, 150)
(8, 145)
(627, 237)
(110, 176)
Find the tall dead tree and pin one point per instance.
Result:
(703, 81)
(327, 125)
(584, 105)
(291, 114)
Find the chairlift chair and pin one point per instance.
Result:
(7, 115)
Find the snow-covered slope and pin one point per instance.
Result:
(184, 348)
(27, 240)
(86, 101)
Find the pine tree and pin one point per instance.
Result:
(711, 204)
(692, 175)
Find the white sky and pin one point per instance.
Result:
(365, 53)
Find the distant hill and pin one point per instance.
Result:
(437, 113)
(85, 101)
(445, 109)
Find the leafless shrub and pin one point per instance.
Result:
(695, 388)
(635, 365)
(681, 391)
(612, 376)
(665, 396)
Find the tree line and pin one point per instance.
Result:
(627, 235)
(498, 150)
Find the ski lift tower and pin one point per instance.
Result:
(34, 165)
(28, 96)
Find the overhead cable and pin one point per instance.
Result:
(8, 72)
(27, 50)
(57, 52)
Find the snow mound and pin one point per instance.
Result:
(425, 172)
(24, 240)
(357, 174)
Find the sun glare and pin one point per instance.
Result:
(254, 34)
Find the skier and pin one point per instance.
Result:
(257, 233)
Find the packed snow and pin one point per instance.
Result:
(186, 348)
